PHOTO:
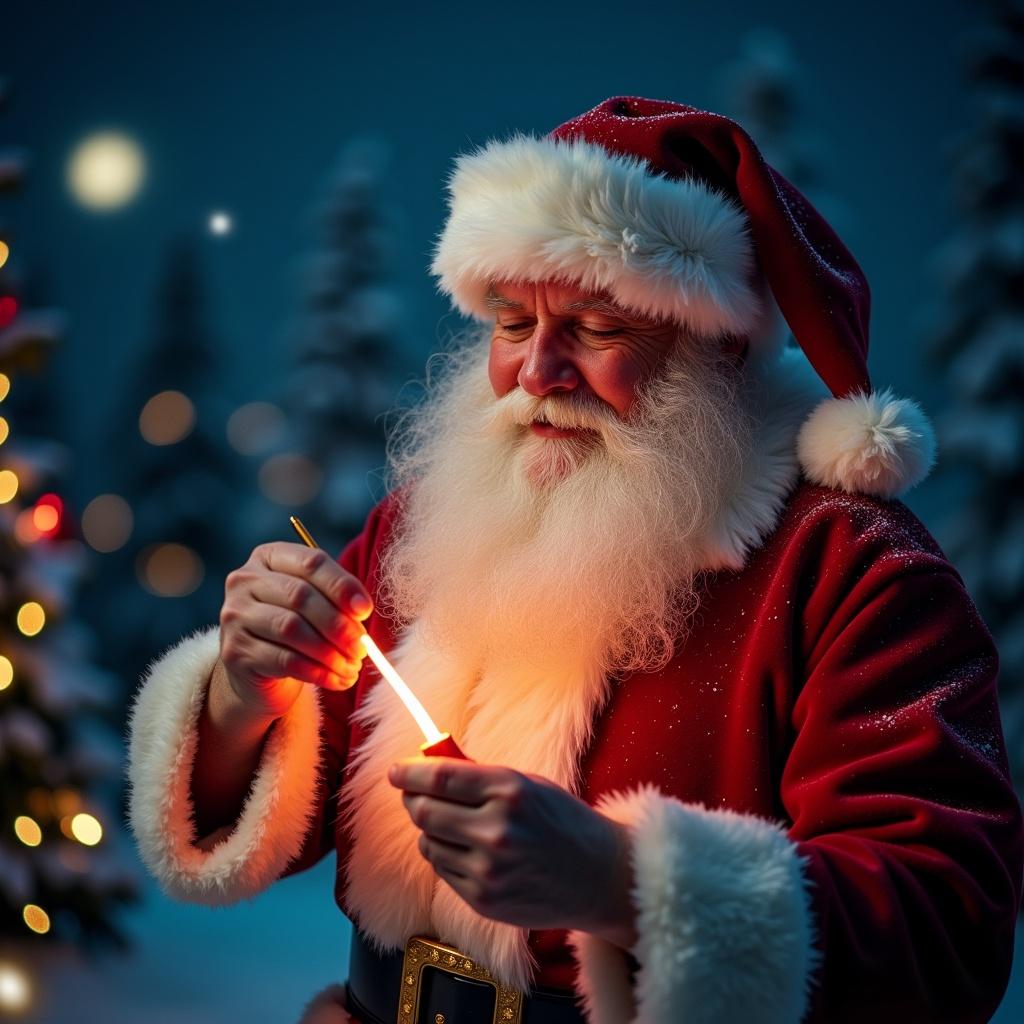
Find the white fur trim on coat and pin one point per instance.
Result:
(723, 920)
(873, 444)
(234, 862)
(529, 209)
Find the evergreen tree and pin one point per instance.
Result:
(178, 477)
(349, 363)
(977, 342)
(63, 870)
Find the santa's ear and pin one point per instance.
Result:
(872, 443)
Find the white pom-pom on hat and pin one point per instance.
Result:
(871, 443)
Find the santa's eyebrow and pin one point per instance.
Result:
(494, 301)
(597, 306)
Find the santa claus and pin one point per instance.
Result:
(736, 751)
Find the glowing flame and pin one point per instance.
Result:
(398, 684)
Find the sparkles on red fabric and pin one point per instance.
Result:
(843, 684)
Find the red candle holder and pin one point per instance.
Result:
(444, 747)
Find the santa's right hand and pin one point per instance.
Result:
(291, 615)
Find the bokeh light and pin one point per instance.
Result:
(15, 990)
(5, 386)
(107, 522)
(5, 429)
(36, 918)
(8, 309)
(254, 428)
(28, 830)
(25, 527)
(31, 618)
(106, 171)
(8, 485)
(66, 801)
(47, 512)
(169, 570)
(167, 418)
(5, 251)
(290, 479)
(86, 829)
(221, 222)
(6, 672)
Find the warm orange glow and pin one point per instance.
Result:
(65, 826)
(38, 800)
(167, 418)
(169, 570)
(8, 485)
(66, 801)
(5, 251)
(398, 684)
(5, 429)
(45, 518)
(15, 990)
(27, 830)
(31, 618)
(5, 386)
(25, 527)
(36, 918)
(107, 522)
(6, 672)
(86, 829)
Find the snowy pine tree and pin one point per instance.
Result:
(977, 342)
(63, 871)
(349, 363)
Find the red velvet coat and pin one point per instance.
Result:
(844, 685)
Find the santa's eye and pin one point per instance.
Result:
(594, 333)
(522, 325)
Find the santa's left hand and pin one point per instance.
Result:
(518, 848)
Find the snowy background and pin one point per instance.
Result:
(215, 224)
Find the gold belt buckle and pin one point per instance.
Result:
(422, 952)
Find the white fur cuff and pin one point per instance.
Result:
(232, 863)
(723, 919)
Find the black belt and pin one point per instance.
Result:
(431, 983)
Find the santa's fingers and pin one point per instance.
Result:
(265, 659)
(447, 859)
(452, 823)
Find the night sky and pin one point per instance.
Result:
(246, 108)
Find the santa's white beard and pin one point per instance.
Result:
(552, 553)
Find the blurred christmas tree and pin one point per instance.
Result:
(168, 527)
(764, 90)
(62, 874)
(977, 341)
(348, 357)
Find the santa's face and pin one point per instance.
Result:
(552, 338)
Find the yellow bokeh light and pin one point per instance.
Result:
(31, 618)
(169, 570)
(15, 990)
(36, 918)
(107, 522)
(5, 386)
(5, 429)
(28, 830)
(167, 418)
(45, 518)
(106, 171)
(5, 251)
(8, 485)
(6, 672)
(86, 829)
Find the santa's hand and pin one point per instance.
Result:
(518, 848)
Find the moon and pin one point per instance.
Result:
(106, 171)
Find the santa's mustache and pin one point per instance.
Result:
(519, 409)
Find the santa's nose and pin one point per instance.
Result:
(548, 363)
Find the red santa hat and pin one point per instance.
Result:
(675, 213)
